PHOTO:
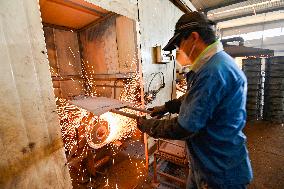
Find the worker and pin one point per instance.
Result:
(212, 114)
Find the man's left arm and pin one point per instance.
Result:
(166, 128)
(198, 107)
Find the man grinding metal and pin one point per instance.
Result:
(211, 115)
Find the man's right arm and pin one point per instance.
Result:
(173, 106)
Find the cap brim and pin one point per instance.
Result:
(172, 42)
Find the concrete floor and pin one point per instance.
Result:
(266, 148)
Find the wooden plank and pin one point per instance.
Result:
(276, 60)
(67, 51)
(63, 14)
(126, 44)
(99, 48)
(253, 74)
(252, 61)
(110, 47)
(78, 6)
(72, 88)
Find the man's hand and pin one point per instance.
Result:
(158, 111)
(166, 128)
(142, 124)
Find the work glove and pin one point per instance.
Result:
(144, 125)
(171, 106)
(158, 111)
(169, 129)
(174, 105)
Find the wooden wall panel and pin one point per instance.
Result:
(71, 88)
(67, 51)
(62, 13)
(63, 55)
(126, 44)
(99, 48)
(110, 47)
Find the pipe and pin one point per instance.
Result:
(249, 7)
(259, 19)
(101, 162)
(233, 39)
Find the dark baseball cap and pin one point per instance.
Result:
(188, 22)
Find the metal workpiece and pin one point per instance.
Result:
(98, 105)
(101, 105)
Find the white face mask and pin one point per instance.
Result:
(182, 57)
(182, 69)
(191, 51)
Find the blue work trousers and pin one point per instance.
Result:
(197, 179)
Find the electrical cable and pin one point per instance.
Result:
(151, 95)
(163, 80)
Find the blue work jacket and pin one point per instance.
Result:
(214, 110)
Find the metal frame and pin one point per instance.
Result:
(171, 157)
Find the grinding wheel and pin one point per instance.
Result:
(100, 131)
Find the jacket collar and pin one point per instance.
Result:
(206, 54)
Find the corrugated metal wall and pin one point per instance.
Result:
(32, 154)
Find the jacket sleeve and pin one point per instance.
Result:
(201, 101)
(173, 106)
(166, 128)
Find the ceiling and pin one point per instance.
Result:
(70, 13)
(206, 5)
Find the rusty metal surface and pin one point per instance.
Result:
(98, 105)
(174, 148)
(171, 151)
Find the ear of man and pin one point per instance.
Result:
(189, 42)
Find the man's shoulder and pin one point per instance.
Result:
(223, 65)
(220, 60)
